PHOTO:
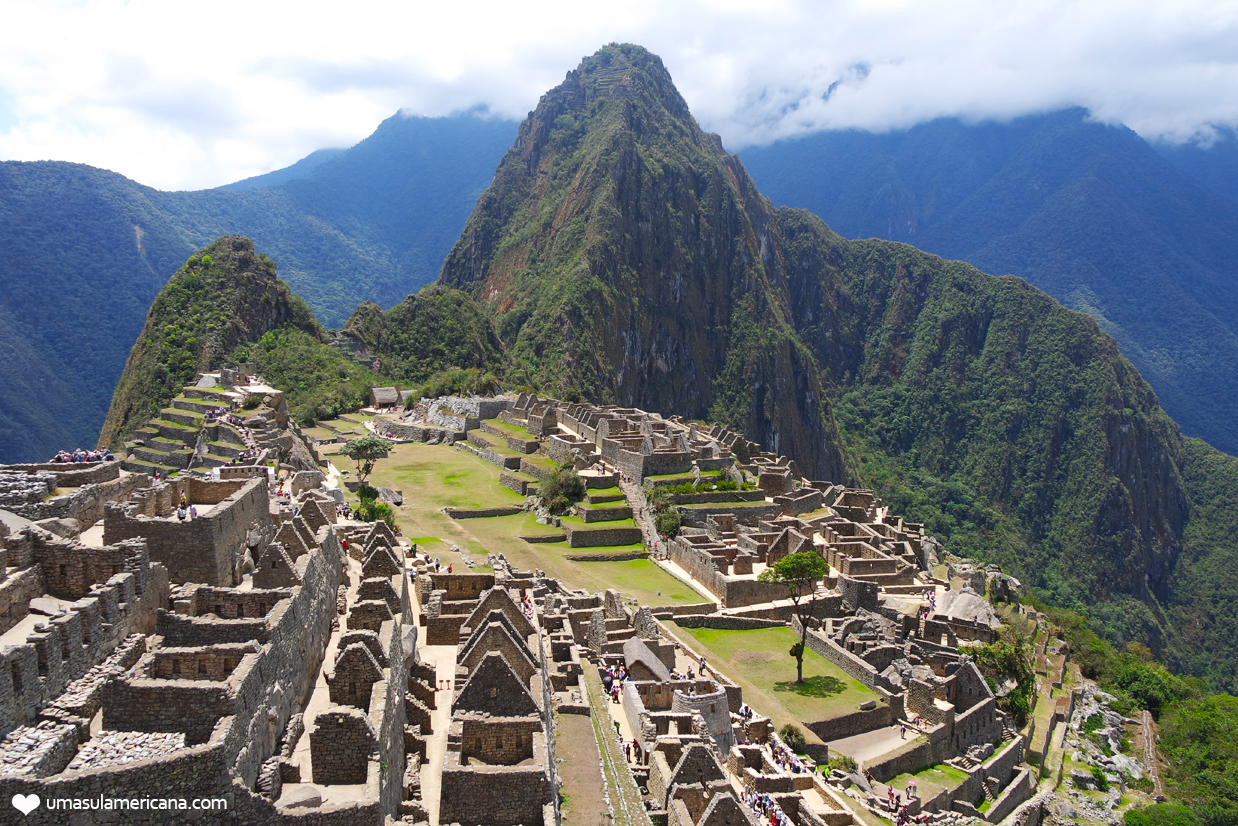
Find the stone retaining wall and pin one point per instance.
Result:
(602, 537)
(849, 725)
(482, 513)
(844, 659)
(1019, 790)
(724, 621)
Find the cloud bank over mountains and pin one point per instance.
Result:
(196, 94)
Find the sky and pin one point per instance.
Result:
(181, 94)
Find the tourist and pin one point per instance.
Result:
(636, 750)
(902, 732)
(180, 513)
(193, 512)
(702, 665)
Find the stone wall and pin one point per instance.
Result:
(341, 745)
(844, 659)
(1019, 790)
(848, 725)
(63, 648)
(208, 549)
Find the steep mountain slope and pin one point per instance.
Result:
(85, 252)
(627, 257)
(1091, 214)
(432, 330)
(623, 254)
(224, 296)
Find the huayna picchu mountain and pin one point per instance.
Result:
(621, 255)
(627, 257)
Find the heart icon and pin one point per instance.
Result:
(26, 803)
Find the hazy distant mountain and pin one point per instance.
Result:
(1091, 214)
(298, 170)
(86, 250)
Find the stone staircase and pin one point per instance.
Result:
(168, 442)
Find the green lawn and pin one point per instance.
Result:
(932, 781)
(578, 524)
(760, 662)
(510, 429)
(638, 578)
(438, 476)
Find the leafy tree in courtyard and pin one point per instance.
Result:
(365, 452)
(563, 489)
(800, 573)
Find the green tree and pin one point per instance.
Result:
(365, 452)
(799, 572)
(563, 489)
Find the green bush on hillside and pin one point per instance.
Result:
(563, 489)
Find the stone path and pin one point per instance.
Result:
(320, 701)
(1149, 754)
(871, 744)
(443, 658)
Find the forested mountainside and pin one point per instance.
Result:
(86, 251)
(1143, 238)
(624, 255)
(223, 297)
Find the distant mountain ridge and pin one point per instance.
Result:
(85, 251)
(1092, 214)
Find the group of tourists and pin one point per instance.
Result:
(79, 455)
(765, 806)
(613, 679)
(186, 510)
(223, 414)
(785, 758)
(632, 750)
(246, 455)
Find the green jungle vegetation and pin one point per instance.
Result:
(225, 295)
(1090, 213)
(1198, 731)
(87, 251)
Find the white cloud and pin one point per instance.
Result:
(194, 94)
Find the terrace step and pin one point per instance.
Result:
(141, 466)
(213, 460)
(225, 449)
(174, 431)
(166, 445)
(193, 405)
(185, 417)
(172, 459)
(601, 498)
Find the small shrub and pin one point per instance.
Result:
(373, 510)
(668, 522)
(367, 492)
(842, 763)
(1102, 781)
(563, 489)
(252, 402)
(793, 737)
